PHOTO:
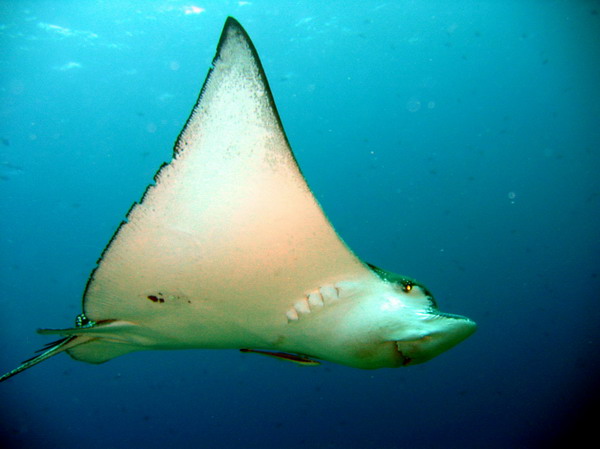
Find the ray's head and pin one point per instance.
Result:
(421, 331)
(406, 324)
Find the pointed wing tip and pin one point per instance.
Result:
(233, 27)
(232, 21)
(231, 24)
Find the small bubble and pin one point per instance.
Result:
(413, 105)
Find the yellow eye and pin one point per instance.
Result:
(407, 287)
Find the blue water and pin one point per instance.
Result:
(454, 142)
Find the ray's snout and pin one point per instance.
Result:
(449, 330)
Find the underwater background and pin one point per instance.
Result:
(455, 142)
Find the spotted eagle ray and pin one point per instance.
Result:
(229, 249)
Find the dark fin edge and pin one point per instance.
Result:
(233, 24)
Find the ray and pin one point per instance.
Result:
(229, 249)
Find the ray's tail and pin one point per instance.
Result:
(53, 348)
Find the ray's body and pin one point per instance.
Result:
(229, 249)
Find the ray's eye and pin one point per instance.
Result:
(407, 287)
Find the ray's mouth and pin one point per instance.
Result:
(405, 359)
(409, 352)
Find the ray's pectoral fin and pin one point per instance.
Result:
(294, 358)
